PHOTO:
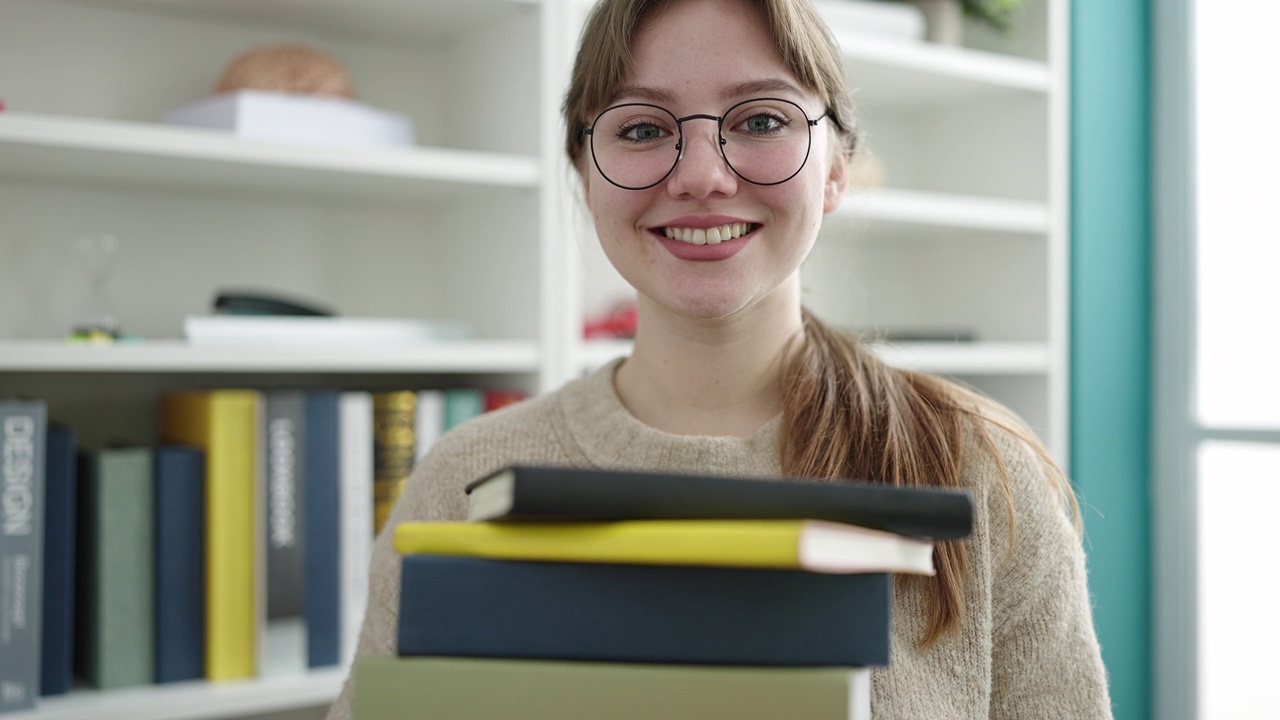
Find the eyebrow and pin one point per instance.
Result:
(751, 87)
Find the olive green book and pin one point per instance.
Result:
(388, 687)
(115, 631)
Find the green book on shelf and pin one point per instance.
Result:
(388, 687)
(115, 631)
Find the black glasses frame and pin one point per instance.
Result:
(719, 120)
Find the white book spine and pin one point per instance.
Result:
(429, 424)
(355, 478)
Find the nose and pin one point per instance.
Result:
(701, 170)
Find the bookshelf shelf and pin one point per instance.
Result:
(981, 358)
(194, 700)
(431, 20)
(86, 150)
(175, 356)
(947, 211)
(898, 74)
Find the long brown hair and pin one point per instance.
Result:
(846, 414)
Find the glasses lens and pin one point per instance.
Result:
(766, 141)
(635, 145)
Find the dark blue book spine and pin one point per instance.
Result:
(320, 517)
(179, 559)
(58, 652)
(476, 607)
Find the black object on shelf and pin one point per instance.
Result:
(251, 303)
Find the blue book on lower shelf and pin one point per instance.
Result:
(58, 651)
(179, 562)
(477, 607)
(321, 533)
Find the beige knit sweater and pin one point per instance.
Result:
(1026, 650)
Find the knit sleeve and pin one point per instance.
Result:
(1046, 662)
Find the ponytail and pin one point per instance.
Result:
(848, 415)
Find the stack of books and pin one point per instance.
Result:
(588, 593)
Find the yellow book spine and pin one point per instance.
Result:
(735, 543)
(224, 424)
(394, 448)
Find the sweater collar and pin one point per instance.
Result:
(610, 436)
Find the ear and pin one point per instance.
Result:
(837, 182)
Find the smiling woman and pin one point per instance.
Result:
(708, 168)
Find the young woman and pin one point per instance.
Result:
(711, 137)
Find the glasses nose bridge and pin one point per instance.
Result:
(717, 119)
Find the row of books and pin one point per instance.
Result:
(234, 546)
(592, 593)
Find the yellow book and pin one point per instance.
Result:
(814, 545)
(224, 423)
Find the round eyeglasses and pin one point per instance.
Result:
(764, 141)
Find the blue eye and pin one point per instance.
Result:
(641, 132)
(764, 123)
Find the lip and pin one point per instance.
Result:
(703, 253)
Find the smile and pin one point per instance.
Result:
(708, 236)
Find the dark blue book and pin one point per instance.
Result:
(179, 561)
(320, 518)
(477, 607)
(57, 651)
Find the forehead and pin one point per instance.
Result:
(705, 50)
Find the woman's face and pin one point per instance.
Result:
(701, 57)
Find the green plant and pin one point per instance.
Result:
(997, 13)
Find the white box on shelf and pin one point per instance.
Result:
(262, 115)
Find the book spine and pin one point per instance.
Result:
(283, 642)
(285, 489)
(225, 424)
(58, 608)
(115, 630)
(484, 689)
(474, 607)
(23, 424)
(394, 421)
(429, 424)
(498, 398)
(323, 619)
(461, 405)
(179, 563)
(355, 440)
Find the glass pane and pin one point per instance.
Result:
(1238, 246)
(1239, 494)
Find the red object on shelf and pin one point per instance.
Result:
(619, 322)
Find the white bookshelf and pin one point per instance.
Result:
(476, 223)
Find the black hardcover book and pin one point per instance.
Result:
(527, 493)
(476, 607)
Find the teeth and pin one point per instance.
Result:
(709, 236)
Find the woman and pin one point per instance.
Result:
(711, 137)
